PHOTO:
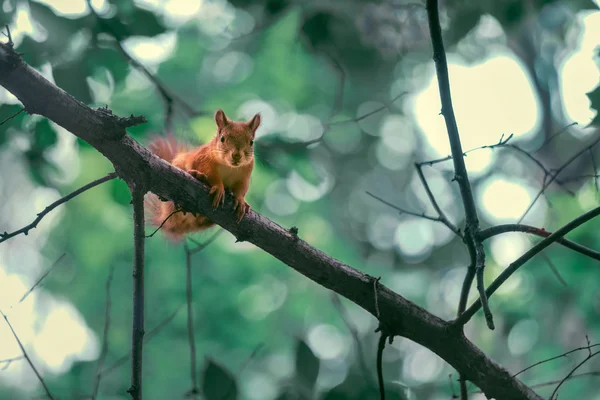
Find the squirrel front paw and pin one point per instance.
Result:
(198, 175)
(241, 208)
(218, 193)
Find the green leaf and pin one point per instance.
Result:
(307, 367)
(594, 97)
(218, 383)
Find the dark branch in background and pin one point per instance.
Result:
(43, 277)
(553, 176)
(504, 144)
(404, 211)
(588, 347)
(48, 394)
(595, 167)
(475, 247)
(25, 230)
(590, 355)
(135, 164)
(512, 268)
(335, 299)
(329, 124)
(147, 338)
(12, 116)
(442, 216)
(168, 97)
(137, 339)
(8, 36)
(194, 392)
(7, 362)
(202, 246)
(104, 350)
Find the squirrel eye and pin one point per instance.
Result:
(222, 139)
(251, 142)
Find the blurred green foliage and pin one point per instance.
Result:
(243, 298)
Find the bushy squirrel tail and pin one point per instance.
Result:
(167, 147)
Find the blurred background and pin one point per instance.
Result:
(349, 102)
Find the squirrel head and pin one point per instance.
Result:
(235, 140)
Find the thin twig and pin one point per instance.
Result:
(54, 264)
(554, 135)
(147, 338)
(7, 34)
(168, 96)
(485, 234)
(553, 176)
(12, 116)
(104, 350)
(162, 223)
(25, 230)
(512, 268)
(504, 143)
(403, 211)
(566, 378)
(7, 362)
(137, 340)
(329, 124)
(202, 246)
(48, 394)
(443, 218)
(588, 347)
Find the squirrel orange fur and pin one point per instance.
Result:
(226, 162)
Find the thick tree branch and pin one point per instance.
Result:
(137, 165)
(137, 342)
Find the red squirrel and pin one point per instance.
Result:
(226, 162)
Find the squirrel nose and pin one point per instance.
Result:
(236, 157)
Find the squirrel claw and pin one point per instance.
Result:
(198, 175)
(241, 207)
(218, 193)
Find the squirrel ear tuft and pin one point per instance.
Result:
(221, 119)
(254, 123)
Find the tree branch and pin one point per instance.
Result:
(136, 164)
(46, 389)
(25, 230)
(137, 343)
(104, 350)
(461, 176)
(512, 268)
(485, 234)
